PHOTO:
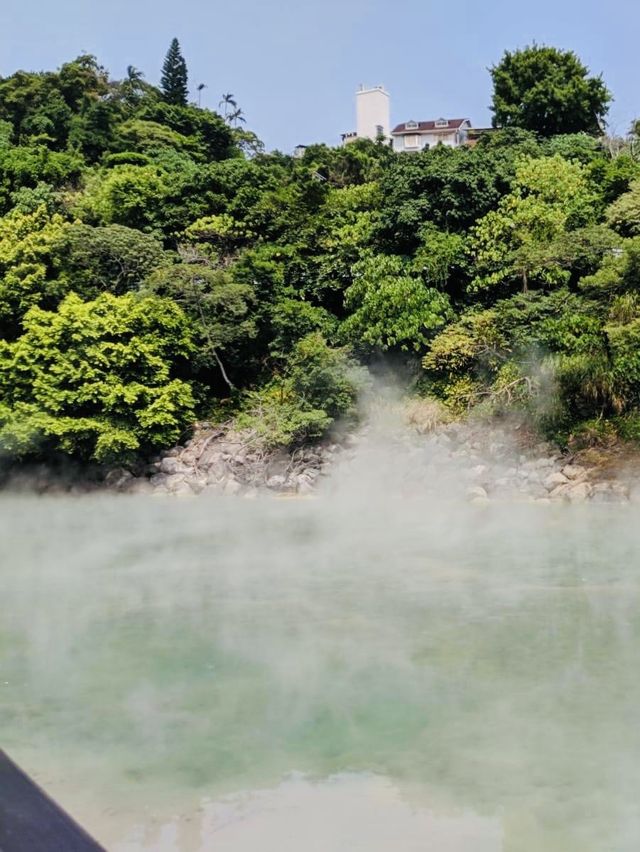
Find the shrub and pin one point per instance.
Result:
(96, 380)
(319, 386)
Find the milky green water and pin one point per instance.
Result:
(345, 673)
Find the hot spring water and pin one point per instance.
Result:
(361, 671)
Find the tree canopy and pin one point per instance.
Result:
(548, 91)
(157, 266)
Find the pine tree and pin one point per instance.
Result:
(174, 76)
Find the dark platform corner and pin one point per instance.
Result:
(32, 822)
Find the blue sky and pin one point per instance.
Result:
(294, 65)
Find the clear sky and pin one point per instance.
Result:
(294, 65)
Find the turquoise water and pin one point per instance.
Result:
(343, 673)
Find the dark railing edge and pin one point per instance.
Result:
(31, 821)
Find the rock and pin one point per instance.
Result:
(232, 487)
(537, 491)
(504, 482)
(159, 480)
(544, 448)
(579, 493)
(174, 482)
(197, 482)
(303, 483)
(601, 487)
(171, 465)
(182, 489)
(574, 471)
(138, 486)
(554, 480)
(119, 477)
(189, 458)
(621, 491)
(496, 449)
(604, 495)
(560, 491)
(479, 470)
(477, 492)
(539, 464)
(211, 457)
(277, 482)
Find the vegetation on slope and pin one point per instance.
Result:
(154, 260)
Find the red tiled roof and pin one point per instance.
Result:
(453, 124)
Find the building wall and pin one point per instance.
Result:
(373, 111)
(430, 140)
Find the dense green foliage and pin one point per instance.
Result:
(155, 262)
(96, 379)
(549, 91)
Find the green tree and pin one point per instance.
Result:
(292, 319)
(27, 266)
(111, 259)
(525, 237)
(390, 307)
(624, 214)
(174, 80)
(441, 258)
(449, 187)
(96, 380)
(319, 386)
(618, 274)
(125, 195)
(217, 305)
(29, 166)
(548, 91)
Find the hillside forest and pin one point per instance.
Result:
(159, 267)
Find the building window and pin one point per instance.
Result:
(442, 122)
(412, 141)
(379, 131)
(411, 125)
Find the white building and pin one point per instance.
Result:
(373, 115)
(419, 135)
(373, 110)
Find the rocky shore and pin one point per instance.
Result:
(228, 462)
(477, 461)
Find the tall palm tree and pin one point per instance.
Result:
(134, 75)
(236, 116)
(228, 104)
(199, 90)
(133, 85)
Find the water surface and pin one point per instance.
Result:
(353, 672)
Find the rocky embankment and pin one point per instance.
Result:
(507, 464)
(476, 461)
(228, 462)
